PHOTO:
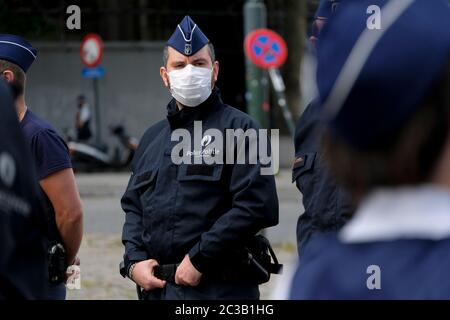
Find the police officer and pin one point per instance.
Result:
(52, 161)
(385, 100)
(186, 222)
(22, 253)
(327, 205)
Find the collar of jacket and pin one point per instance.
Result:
(181, 118)
(419, 212)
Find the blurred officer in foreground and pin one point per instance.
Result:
(186, 223)
(327, 206)
(83, 119)
(54, 169)
(385, 96)
(23, 266)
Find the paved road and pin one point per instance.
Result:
(102, 250)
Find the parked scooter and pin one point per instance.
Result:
(88, 157)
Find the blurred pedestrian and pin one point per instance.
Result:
(385, 99)
(23, 267)
(187, 225)
(83, 119)
(53, 166)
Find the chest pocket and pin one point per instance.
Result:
(302, 169)
(144, 183)
(202, 172)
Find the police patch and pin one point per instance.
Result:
(187, 49)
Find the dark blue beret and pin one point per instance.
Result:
(372, 81)
(187, 37)
(17, 50)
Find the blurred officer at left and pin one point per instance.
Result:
(53, 165)
(23, 266)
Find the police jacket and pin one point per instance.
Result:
(204, 210)
(327, 206)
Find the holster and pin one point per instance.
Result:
(259, 260)
(57, 263)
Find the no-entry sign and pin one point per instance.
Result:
(266, 48)
(91, 50)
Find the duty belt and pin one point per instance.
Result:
(166, 272)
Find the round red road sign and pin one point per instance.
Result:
(266, 48)
(91, 50)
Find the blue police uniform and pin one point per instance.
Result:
(396, 245)
(48, 150)
(202, 210)
(50, 155)
(207, 211)
(23, 267)
(327, 206)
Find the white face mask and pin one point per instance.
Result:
(191, 85)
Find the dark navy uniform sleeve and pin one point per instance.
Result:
(254, 207)
(50, 152)
(327, 206)
(133, 226)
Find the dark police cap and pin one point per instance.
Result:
(17, 50)
(371, 81)
(187, 37)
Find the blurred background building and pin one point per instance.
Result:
(134, 32)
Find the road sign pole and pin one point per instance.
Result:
(255, 16)
(98, 138)
(267, 50)
(280, 91)
(91, 52)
